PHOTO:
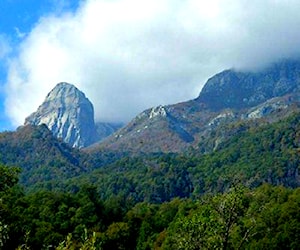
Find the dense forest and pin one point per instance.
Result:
(244, 195)
(267, 154)
(266, 217)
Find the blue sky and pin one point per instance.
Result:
(130, 55)
(17, 18)
(23, 14)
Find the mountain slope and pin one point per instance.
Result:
(40, 155)
(227, 97)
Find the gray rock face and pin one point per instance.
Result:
(239, 90)
(68, 114)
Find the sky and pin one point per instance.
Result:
(130, 55)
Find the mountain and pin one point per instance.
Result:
(239, 90)
(228, 97)
(69, 114)
(40, 155)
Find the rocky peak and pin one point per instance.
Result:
(238, 90)
(157, 111)
(68, 114)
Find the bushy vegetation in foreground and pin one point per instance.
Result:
(264, 218)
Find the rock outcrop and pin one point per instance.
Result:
(238, 90)
(69, 114)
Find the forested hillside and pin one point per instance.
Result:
(42, 157)
(263, 218)
(253, 156)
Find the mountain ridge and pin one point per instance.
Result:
(227, 97)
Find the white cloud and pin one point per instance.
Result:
(128, 55)
(5, 48)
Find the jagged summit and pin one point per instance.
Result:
(64, 89)
(238, 90)
(69, 114)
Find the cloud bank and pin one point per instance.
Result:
(129, 55)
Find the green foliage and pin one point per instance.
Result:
(46, 161)
(39, 154)
(211, 225)
(86, 243)
(45, 217)
(8, 177)
(264, 218)
(3, 234)
(240, 219)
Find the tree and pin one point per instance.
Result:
(8, 177)
(213, 225)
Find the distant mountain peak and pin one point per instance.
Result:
(62, 88)
(238, 90)
(69, 114)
